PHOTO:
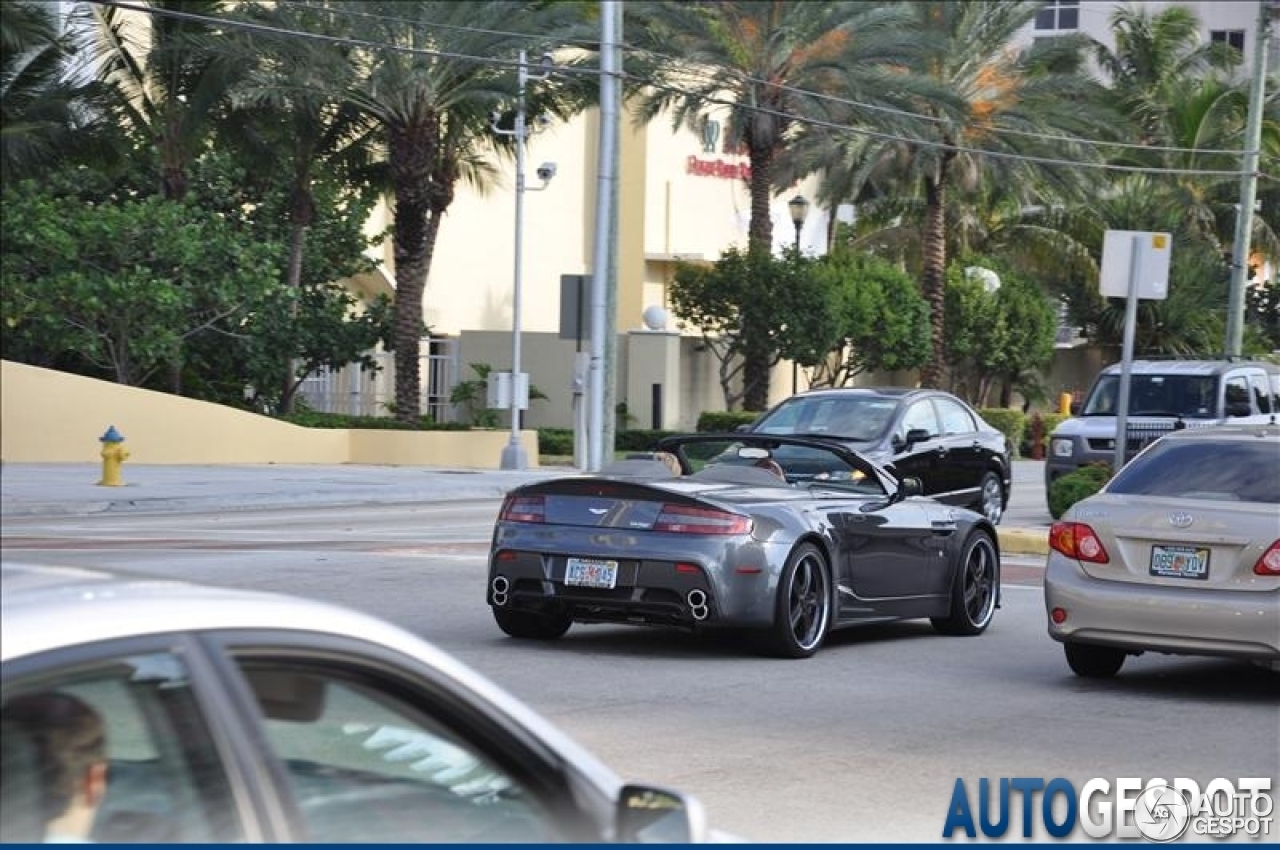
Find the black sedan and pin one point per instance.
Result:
(787, 537)
(926, 434)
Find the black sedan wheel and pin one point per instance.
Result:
(534, 626)
(974, 591)
(803, 612)
(991, 498)
(1093, 662)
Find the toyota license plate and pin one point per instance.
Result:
(583, 572)
(1180, 562)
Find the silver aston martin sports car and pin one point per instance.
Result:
(789, 537)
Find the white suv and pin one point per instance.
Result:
(1164, 395)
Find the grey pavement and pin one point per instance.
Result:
(62, 489)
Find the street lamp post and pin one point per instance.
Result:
(799, 209)
(513, 454)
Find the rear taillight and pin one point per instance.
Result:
(1269, 563)
(1077, 540)
(524, 509)
(682, 519)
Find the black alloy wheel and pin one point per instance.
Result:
(975, 589)
(803, 608)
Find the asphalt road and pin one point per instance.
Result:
(862, 743)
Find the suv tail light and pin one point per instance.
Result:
(682, 519)
(1077, 540)
(523, 509)
(1269, 563)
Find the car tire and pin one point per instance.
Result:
(803, 606)
(990, 498)
(531, 625)
(975, 590)
(1092, 661)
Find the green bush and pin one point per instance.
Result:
(555, 441)
(723, 421)
(1012, 422)
(1078, 484)
(316, 419)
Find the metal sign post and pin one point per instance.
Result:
(1135, 265)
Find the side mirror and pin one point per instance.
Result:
(649, 815)
(1075, 408)
(909, 487)
(742, 429)
(916, 435)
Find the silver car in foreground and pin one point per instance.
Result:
(142, 710)
(1179, 553)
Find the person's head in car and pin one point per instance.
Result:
(68, 747)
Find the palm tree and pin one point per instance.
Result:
(445, 68)
(767, 64)
(1009, 112)
(40, 106)
(168, 76)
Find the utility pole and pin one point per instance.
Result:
(598, 382)
(1248, 186)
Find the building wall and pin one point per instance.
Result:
(48, 416)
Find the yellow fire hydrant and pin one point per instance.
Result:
(114, 455)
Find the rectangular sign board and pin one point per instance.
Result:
(1151, 267)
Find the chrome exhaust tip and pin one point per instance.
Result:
(500, 587)
(697, 600)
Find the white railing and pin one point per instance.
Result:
(353, 391)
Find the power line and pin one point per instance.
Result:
(819, 96)
(514, 64)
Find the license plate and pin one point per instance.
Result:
(1180, 562)
(582, 572)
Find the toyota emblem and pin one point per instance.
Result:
(1181, 520)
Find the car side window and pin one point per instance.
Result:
(367, 765)
(920, 415)
(1261, 393)
(127, 735)
(955, 419)
(1236, 396)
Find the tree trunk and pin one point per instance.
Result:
(756, 354)
(412, 152)
(301, 214)
(934, 264)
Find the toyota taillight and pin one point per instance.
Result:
(682, 519)
(523, 509)
(1269, 563)
(1077, 540)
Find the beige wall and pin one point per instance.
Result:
(52, 417)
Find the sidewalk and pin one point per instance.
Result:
(71, 489)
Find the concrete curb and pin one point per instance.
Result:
(1023, 541)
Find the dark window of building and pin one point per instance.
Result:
(1059, 15)
(1234, 38)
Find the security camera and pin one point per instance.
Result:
(546, 171)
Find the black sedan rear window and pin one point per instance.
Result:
(1228, 471)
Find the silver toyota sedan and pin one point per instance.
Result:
(1179, 553)
(141, 710)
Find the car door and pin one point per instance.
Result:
(366, 748)
(965, 458)
(924, 459)
(173, 772)
(887, 552)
